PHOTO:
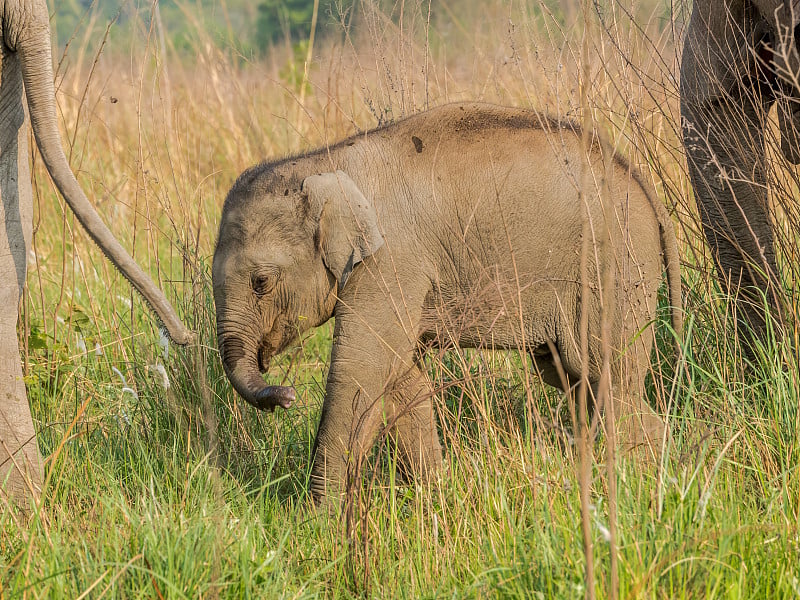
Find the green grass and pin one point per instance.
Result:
(153, 496)
(187, 492)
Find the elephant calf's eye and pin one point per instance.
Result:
(262, 283)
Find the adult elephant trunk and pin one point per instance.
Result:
(243, 363)
(33, 47)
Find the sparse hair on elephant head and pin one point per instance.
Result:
(328, 212)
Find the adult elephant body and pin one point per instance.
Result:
(738, 60)
(26, 72)
(461, 225)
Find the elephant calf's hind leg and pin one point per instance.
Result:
(639, 427)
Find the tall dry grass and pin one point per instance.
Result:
(184, 491)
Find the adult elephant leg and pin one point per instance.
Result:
(724, 141)
(414, 429)
(20, 465)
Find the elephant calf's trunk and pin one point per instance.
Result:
(274, 395)
(242, 368)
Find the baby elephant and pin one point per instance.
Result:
(460, 225)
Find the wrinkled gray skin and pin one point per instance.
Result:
(26, 71)
(455, 226)
(734, 53)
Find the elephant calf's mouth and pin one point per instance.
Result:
(264, 355)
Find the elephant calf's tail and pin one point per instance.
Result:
(672, 259)
(672, 262)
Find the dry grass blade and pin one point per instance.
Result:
(588, 252)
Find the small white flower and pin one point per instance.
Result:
(796, 585)
(122, 417)
(163, 342)
(603, 531)
(600, 527)
(124, 300)
(120, 375)
(161, 374)
(98, 349)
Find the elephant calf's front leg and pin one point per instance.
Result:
(370, 351)
(413, 427)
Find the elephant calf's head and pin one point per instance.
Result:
(284, 249)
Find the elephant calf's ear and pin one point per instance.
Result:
(348, 224)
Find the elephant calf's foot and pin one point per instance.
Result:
(641, 431)
(420, 464)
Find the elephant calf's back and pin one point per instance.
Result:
(510, 247)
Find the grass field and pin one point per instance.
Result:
(162, 483)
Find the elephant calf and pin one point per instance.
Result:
(462, 225)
